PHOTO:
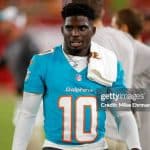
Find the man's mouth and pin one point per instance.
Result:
(76, 44)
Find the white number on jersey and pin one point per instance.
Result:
(80, 105)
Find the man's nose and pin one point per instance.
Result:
(75, 32)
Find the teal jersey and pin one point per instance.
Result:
(71, 114)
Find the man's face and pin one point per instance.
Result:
(77, 32)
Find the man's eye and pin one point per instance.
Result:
(83, 28)
(68, 28)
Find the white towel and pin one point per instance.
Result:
(102, 67)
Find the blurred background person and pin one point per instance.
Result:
(19, 50)
(20, 47)
(131, 21)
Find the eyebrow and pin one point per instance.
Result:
(86, 24)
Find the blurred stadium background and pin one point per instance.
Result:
(44, 20)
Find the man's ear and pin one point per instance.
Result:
(94, 30)
(124, 28)
(62, 30)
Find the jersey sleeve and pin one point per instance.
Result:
(34, 81)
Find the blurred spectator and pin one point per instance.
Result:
(20, 46)
(127, 20)
(130, 21)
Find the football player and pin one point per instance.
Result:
(72, 118)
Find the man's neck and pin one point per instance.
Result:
(80, 53)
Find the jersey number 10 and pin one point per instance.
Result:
(65, 103)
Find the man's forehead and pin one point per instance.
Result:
(77, 19)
